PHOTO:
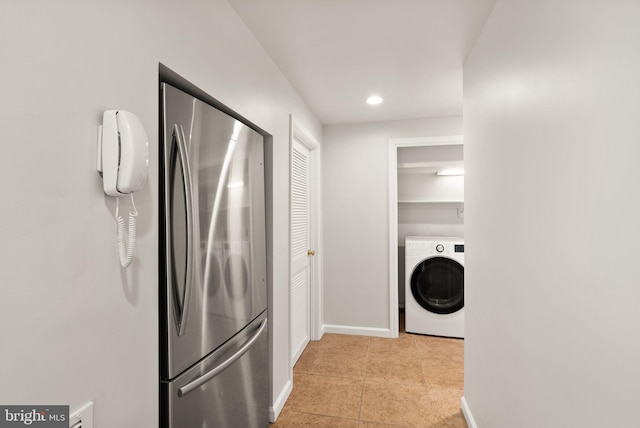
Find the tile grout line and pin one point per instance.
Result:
(420, 359)
(364, 380)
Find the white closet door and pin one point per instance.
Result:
(300, 250)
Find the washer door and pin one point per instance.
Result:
(437, 284)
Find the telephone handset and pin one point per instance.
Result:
(123, 153)
(123, 160)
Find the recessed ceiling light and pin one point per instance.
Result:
(374, 100)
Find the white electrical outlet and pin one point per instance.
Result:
(83, 417)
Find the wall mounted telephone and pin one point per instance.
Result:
(123, 161)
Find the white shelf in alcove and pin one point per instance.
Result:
(427, 168)
(432, 164)
(427, 201)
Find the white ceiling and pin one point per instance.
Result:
(338, 52)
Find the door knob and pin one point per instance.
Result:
(311, 253)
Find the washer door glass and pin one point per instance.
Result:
(437, 284)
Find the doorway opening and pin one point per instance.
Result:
(420, 203)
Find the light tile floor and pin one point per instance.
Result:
(362, 382)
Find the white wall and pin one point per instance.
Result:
(74, 326)
(355, 213)
(552, 144)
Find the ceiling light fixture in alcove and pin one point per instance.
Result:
(452, 171)
(374, 100)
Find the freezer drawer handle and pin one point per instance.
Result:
(195, 384)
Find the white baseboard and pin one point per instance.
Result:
(275, 410)
(466, 411)
(360, 331)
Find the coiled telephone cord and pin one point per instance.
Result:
(127, 249)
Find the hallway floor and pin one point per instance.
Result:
(363, 382)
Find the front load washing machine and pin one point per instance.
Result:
(434, 286)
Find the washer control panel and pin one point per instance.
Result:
(419, 246)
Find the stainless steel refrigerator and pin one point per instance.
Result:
(213, 291)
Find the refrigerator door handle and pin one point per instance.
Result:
(181, 310)
(196, 383)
